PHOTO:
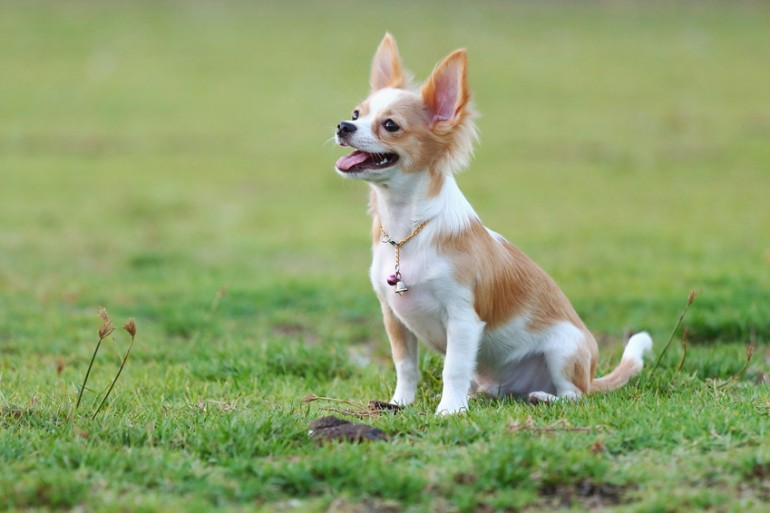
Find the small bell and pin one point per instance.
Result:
(400, 288)
(392, 280)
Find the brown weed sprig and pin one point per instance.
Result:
(684, 350)
(734, 377)
(690, 300)
(130, 327)
(105, 331)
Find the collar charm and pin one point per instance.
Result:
(394, 280)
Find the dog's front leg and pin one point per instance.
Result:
(464, 330)
(403, 347)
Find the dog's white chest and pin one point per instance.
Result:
(421, 307)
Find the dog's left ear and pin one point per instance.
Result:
(386, 66)
(445, 93)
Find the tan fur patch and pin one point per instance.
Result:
(386, 66)
(580, 368)
(506, 282)
(619, 376)
(397, 333)
(363, 108)
(436, 183)
(454, 63)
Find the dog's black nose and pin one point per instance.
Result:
(345, 128)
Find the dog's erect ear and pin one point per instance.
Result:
(386, 66)
(445, 93)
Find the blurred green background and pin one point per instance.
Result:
(152, 154)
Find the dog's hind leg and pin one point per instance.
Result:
(570, 359)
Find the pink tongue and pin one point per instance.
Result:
(348, 161)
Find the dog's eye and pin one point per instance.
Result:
(390, 125)
(355, 115)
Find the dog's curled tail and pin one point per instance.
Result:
(630, 364)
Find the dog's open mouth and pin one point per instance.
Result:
(361, 161)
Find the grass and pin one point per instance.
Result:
(170, 162)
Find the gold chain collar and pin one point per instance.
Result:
(395, 278)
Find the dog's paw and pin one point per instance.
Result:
(451, 409)
(402, 400)
(541, 397)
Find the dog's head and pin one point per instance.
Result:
(398, 129)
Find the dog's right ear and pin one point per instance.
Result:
(386, 66)
(446, 91)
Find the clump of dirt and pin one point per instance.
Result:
(586, 493)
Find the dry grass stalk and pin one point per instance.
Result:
(598, 446)
(359, 414)
(105, 330)
(360, 410)
(690, 300)
(749, 354)
(221, 293)
(560, 425)
(312, 397)
(684, 350)
(130, 327)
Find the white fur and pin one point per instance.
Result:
(508, 351)
(637, 346)
(382, 99)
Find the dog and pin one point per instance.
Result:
(504, 327)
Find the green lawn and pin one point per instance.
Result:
(173, 163)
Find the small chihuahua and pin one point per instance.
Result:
(504, 326)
